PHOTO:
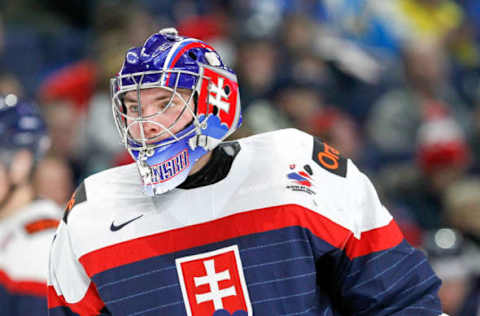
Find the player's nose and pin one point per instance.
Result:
(155, 123)
(151, 129)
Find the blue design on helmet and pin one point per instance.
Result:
(172, 62)
(21, 127)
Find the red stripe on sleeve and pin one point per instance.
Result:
(90, 304)
(34, 288)
(377, 239)
(54, 300)
(237, 225)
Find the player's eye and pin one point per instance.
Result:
(166, 105)
(132, 108)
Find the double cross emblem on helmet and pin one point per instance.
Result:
(216, 99)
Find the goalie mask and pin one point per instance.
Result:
(173, 101)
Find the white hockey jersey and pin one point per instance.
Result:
(25, 240)
(294, 229)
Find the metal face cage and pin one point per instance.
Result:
(165, 79)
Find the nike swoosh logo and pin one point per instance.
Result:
(114, 227)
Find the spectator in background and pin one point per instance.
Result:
(292, 102)
(443, 157)
(297, 34)
(256, 60)
(453, 258)
(431, 19)
(301, 102)
(74, 83)
(442, 152)
(462, 206)
(425, 94)
(66, 128)
(26, 223)
(53, 180)
(9, 84)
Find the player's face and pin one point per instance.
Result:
(160, 109)
(17, 174)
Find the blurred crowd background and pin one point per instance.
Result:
(393, 85)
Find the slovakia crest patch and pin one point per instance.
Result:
(213, 283)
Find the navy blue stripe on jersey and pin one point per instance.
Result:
(284, 274)
(65, 311)
(12, 303)
(61, 311)
(5, 300)
(383, 283)
(29, 305)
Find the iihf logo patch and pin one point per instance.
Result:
(302, 179)
(213, 283)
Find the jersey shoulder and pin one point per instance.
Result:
(104, 189)
(283, 137)
(112, 182)
(317, 177)
(293, 145)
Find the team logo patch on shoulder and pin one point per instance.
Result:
(329, 158)
(213, 283)
(301, 180)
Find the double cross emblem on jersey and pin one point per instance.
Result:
(212, 278)
(212, 282)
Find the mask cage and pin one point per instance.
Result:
(169, 80)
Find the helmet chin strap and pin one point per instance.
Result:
(143, 167)
(206, 142)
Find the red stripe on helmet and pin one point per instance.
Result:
(183, 50)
